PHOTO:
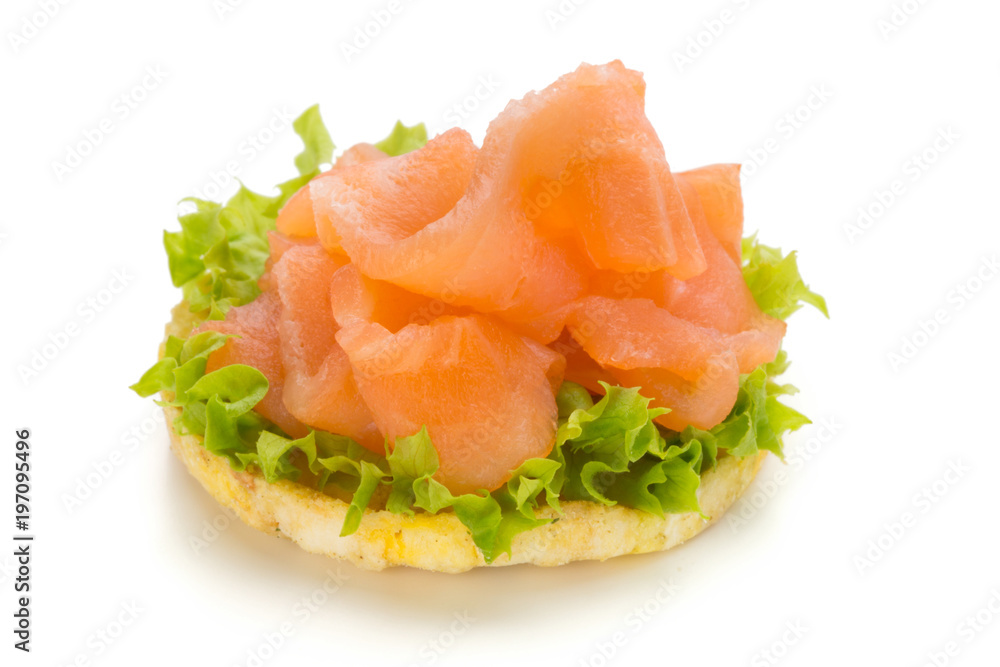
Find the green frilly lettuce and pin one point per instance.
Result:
(775, 281)
(221, 249)
(403, 139)
(610, 451)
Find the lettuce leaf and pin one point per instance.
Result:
(318, 144)
(757, 422)
(599, 445)
(775, 281)
(357, 470)
(609, 452)
(403, 139)
(221, 249)
(492, 519)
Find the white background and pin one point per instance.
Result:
(896, 428)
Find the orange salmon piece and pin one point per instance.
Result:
(319, 386)
(297, 217)
(721, 195)
(470, 380)
(719, 298)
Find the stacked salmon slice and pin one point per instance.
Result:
(456, 287)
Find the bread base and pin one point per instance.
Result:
(439, 542)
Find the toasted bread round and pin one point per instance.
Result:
(439, 542)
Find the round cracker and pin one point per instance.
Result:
(439, 542)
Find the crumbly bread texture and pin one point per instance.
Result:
(439, 542)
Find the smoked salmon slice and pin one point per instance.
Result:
(702, 403)
(589, 165)
(279, 243)
(404, 220)
(721, 195)
(356, 298)
(484, 393)
(720, 299)
(685, 342)
(297, 218)
(319, 386)
(678, 364)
